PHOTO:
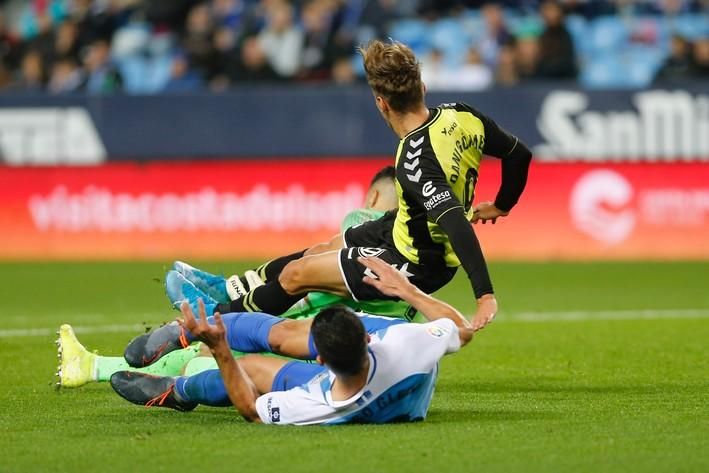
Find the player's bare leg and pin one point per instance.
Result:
(319, 272)
(335, 243)
(290, 338)
(262, 370)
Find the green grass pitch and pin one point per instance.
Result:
(588, 368)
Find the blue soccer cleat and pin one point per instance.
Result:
(179, 289)
(211, 284)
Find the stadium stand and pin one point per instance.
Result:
(150, 46)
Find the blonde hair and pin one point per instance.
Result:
(393, 73)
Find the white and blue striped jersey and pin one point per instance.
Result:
(402, 375)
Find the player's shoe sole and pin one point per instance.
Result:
(179, 289)
(146, 349)
(76, 363)
(148, 390)
(211, 284)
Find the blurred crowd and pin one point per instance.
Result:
(148, 46)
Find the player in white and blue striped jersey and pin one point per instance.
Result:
(388, 376)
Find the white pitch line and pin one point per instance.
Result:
(45, 332)
(530, 317)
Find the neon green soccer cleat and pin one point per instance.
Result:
(76, 363)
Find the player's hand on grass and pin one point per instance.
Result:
(485, 211)
(487, 308)
(389, 281)
(211, 335)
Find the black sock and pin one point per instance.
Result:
(270, 298)
(270, 271)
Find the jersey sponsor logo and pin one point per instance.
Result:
(436, 332)
(449, 131)
(461, 146)
(428, 189)
(437, 199)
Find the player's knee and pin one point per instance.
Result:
(316, 249)
(292, 277)
(280, 333)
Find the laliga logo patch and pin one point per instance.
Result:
(598, 206)
(369, 252)
(435, 331)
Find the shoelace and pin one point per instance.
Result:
(160, 400)
(183, 338)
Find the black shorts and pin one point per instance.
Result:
(375, 239)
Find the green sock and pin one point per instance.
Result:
(199, 364)
(107, 365)
(204, 363)
(169, 365)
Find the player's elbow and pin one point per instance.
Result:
(466, 335)
(522, 153)
(249, 412)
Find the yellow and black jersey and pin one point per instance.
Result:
(436, 172)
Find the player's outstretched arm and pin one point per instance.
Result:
(239, 386)
(391, 282)
(515, 157)
(467, 247)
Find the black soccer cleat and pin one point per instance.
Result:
(146, 349)
(148, 390)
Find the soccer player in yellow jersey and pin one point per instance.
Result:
(436, 171)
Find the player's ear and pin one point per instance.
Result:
(318, 360)
(372, 198)
(381, 104)
(369, 338)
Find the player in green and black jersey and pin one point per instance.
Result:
(437, 168)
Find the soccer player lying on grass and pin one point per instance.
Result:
(78, 366)
(437, 163)
(166, 352)
(388, 377)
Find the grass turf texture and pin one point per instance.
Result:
(582, 395)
